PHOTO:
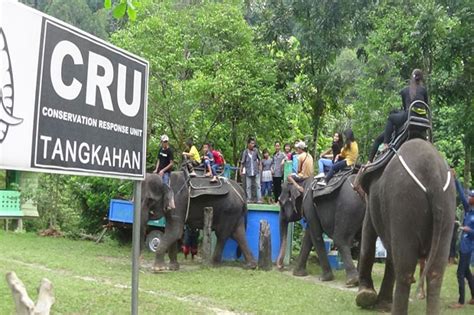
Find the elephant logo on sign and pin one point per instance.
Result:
(6, 90)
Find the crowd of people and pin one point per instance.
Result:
(263, 171)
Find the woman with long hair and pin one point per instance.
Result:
(347, 157)
(415, 91)
(327, 157)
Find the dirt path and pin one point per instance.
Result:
(315, 279)
(204, 303)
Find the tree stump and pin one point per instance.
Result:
(206, 240)
(265, 247)
(23, 304)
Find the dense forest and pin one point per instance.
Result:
(222, 71)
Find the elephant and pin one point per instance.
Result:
(339, 215)
(229, 215)
(414, 220)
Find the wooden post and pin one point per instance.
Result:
(206, 240)
(265, 246)
(23, 304)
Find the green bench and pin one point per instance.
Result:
(10, 206)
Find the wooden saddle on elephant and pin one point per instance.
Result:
(418, 125)
(201, 185)
(335, 183)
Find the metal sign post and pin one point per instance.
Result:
(137, 196)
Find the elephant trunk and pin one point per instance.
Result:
(283, 240)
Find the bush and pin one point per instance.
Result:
(94, 194)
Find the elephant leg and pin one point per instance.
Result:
(316, 232)
(367, 297)
(300, 268)
(173, 255)
(173, 232)
(352, 276)
(283, 241)
(385, 297)
(241, 239)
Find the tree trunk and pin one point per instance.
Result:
(467, 164)
(318, 109)
(235, 156)
(206, 240)
(265, 247)
(23, 304)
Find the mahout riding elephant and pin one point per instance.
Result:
(229, 212)
(339, 215)
(412, 224)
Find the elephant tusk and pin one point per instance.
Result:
(448, 180)
(8, 118)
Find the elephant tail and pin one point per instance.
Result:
(435, 205)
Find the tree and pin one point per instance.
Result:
(207, 77)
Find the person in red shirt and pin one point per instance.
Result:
(218, 162)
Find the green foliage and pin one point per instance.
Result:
(123, 7)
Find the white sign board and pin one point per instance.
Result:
(70, 102)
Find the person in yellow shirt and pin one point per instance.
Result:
(191, 157)
(305, 166)
(347, 157)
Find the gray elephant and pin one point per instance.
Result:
(229, 215)
(339, 215)
(412, 224)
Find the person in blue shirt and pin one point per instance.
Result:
(294, 158)
(466, 246)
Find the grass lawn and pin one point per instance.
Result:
(95, 279)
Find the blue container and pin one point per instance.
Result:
(257, 212)
(122, 211)
(335, 261)
(230, 251)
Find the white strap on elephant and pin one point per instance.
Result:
(413, 176)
